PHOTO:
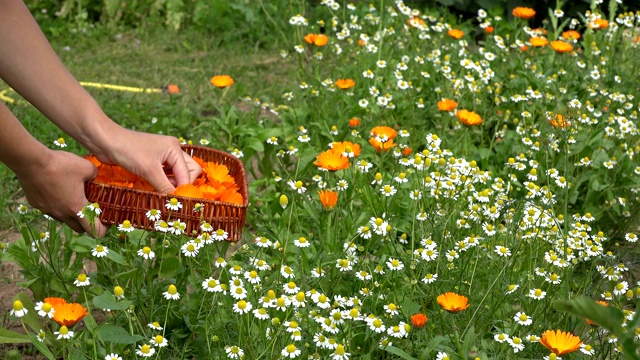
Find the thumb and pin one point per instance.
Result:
(179, 167)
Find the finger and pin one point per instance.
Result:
(178, 165)
(194, 168)
(158, 179)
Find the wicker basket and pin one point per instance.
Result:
(119, 204)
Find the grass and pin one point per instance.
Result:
(150, 58)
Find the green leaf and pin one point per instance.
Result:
(81, 244)
(115, 257)
(255, 144)
(169, 267)
(398, 352)
(117, 335)
(108, 301)
(12, 337)
(606, 316)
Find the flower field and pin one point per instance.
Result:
(430, 189)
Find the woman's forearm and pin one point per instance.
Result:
(31, 67)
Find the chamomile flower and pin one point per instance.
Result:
(64, 333)
(126, 226)
(145, 350)
(502, 251)
(290, 351)
(45, 309)
(173, 204)
(516, 344)
(82, 280)
(154, 325)
(234, 352)
(60, 143)
(522, 318)
(189, 249)
(395, 264)
(100, 251)
(18, 309)
(537, 294)
(171, 293)
(146, 253)
(297, 186)
(159, 341)
(113, 356)
(301, 242)
(242, 307)
(220, 235)
(154, 215)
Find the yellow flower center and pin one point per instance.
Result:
(118, 291)
(99, 248)
(220, 232)
(377, 323)
(126, 224)
(298, 185)
(191, 248)
(172, 290)
(146, 250)
(145, 349)
(17, 305)
(340, 350)
(82, 278)
(523, 317)
(173, 202)
(158, 339)
(291, 348)
(242, 304)
(64, 330)
(392, 306)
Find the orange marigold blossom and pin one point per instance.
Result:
(456, 33)
(354, 122)
(561, 46)
(537, 41)
(331, 160)
(381, 146)
(453, 302)
(560, 342)
(316, 39)
(599, 24)
(571, 35)
(407, 151)
(328, 198)
(558, 121)
(384, 132)
(222, 81)
(447, 105)
(523, 12)
(346, 147)
(489, 29)
(345, 83)
(416, 22)
(468, 118)
(66, 314)
(419, 320)
(173, 89)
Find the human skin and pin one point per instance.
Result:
(53, 181)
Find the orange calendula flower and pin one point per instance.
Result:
(599, 24)
(489, 29)
(416, 22)
(537, 41)
(447, 105)
(561, 46)
(316, 39)
(419, 320)
(456, 33)
(381, 146)
(354, 122)
(558, 121)
(328, 198)
(469, 118)
(173, 89)
(222, 81)
(523, 12)
(453, 302)
(331, 160)
(66, 314)
(571, 35)
(384, 132)
(560, 342)
(345, 83)
(346, 147)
